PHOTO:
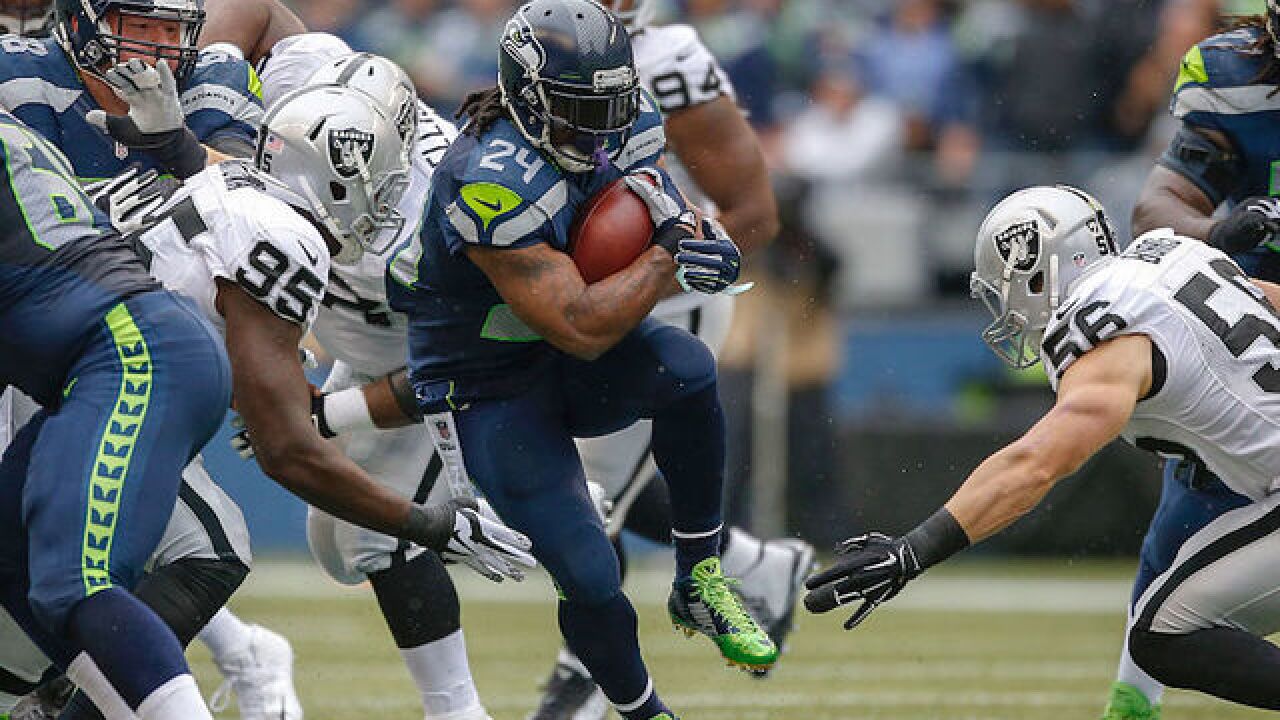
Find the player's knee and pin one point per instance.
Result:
(187, 593)
(685, 361)
(589, 578)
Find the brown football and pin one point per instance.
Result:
(610, 231)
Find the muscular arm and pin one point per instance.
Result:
(1170, 200)
(723, 156)
(271, 395)
(1096, 397)
(254, 26)
(543, 287)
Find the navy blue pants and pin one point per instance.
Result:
(87, 488)
(520, 451)
(1189, 500)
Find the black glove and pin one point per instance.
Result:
(870, 568)
(1254, 221)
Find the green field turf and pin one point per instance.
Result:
(949, 648)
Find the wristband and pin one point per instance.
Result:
(341, 412)
(937, 538)
(429, 526)
(184, 156)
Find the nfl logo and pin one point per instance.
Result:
(442, 427)
(274, 143)
(122, 151)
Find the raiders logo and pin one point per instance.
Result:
(1020, 244)
(347, 149)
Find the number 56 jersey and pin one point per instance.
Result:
(225, 223)
(1215, 388)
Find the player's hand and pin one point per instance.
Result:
(130, 198)
(462, 534)
(1254, 221)
(869, 569)
(155, 123)
(671, 225)
(711, 264)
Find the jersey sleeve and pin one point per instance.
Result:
(283, 264)
(682, 72)
(28, 89)
(222, 101)
(648, 139)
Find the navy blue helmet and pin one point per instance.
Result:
(569, 81)
(94, 43)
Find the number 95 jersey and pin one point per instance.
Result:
(1215, 366)
(223, 223)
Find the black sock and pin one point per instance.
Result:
(418, 600)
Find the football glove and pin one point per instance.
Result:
(155, 123)
(869, 569)
(1254, 221)
(130, 198)
(462, 534)
(710, 265)
(671, 225)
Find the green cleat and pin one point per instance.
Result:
(1128, 703)
(705, 603)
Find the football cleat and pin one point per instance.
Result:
(1128, 703)
(261, 677)
(706, 603)
(570, 694)
(771, 583)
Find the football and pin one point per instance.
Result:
(609, 232)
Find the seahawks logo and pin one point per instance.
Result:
(349, 151)
(1019, 245)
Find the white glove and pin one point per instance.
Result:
(151, 93)
(130, 198)
(486, 546)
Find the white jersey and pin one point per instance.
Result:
(357, 326)
(220, 224)
(680, 72)
(1215, 391)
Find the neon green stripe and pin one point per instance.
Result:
(111, 466)
(255, 83)
(1192, 70)
(13, 188)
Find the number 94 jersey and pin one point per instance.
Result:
(1215, 388)
(223, 223)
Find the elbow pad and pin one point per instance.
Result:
(1213, 169)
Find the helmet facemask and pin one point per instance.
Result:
(1013, 335)
(96, 40)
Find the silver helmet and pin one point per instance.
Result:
(344, 157)
(638, 15)
(1031, 248)
(385, 82)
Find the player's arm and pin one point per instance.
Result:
(722, 154)
(545, 290)
(253, 26)
(1169, 199)
(1271, 290)
(1096, 397)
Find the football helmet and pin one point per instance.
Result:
(569, 82)
(30, 18)
(639, 13)
(1031, 248)
(336, 150)
(82, 29)
(386, 84)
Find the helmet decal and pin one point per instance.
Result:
(1019, 244)
(350, 151)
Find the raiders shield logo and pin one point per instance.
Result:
(1020, 244)
(349, 150)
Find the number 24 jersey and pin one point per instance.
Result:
(1215, 389)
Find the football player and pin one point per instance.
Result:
(132, 382)
(1168, 345)
(522, 355)
(716, 156)
(1221, 154)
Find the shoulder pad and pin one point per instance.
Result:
(648, 137)
(284, 264)
(222, 99)
(679, 69)
(505, 193)
(35, 72)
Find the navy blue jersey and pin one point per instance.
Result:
(62, 268)
(494, 190)
(42, 88)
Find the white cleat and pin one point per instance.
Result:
(772, 577)
(475, 713)
(261, 678)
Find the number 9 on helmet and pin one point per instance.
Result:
(344, 158)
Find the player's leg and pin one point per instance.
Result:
(103, 476)
(1202, 623)
(519, 453)
(665, 373)
(1190, 498)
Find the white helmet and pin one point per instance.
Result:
(334, 148)
(639, 16)
(385, 82)
(1031, 247)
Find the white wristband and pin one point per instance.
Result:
(346, 411)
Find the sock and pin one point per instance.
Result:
(443, 677)
(604, 638)
(1129, 672)
(127, 642)
(694, 548)
(645, 707)
(650, 513)
(93, 684)
(178, 699)
(225, 635)
(688, 445)
(739, 552)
